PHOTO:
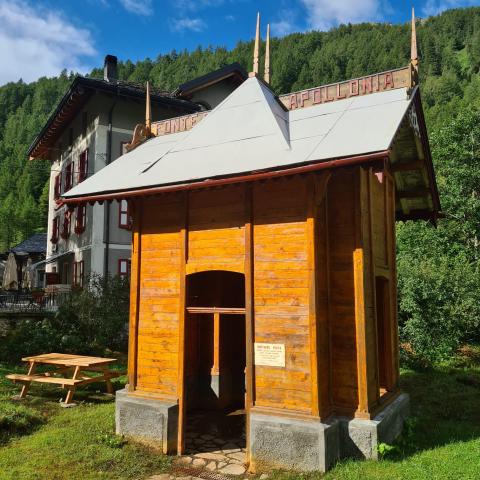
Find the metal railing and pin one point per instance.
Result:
(31, 302)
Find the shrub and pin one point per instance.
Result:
(90, 321)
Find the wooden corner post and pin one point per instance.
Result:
(365, 316)
(134, 295)
(181, 327)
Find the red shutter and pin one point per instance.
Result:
(83, 166)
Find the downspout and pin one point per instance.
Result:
(107, 204)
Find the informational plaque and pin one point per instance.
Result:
(270, 354)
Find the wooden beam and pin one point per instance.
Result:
(181, 327)
(249, 313)
(135, 282)
(216, 344)
(312, 288)
(408, 166)
(418, 193)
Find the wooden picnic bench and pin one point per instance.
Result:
(69, 372)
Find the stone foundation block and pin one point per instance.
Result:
(149, 420)
(285, 443)
(360, 438)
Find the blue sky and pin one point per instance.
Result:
(42, 37)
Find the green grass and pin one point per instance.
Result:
(42, 441)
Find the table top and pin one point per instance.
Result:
(69, 360)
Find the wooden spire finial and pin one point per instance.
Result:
(256, 50)
(266, 75)
(414, 53)
(148, 116)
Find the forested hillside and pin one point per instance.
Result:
(438, 269)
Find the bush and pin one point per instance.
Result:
(91, 320)
(439, 306)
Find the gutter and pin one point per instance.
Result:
(340, 162)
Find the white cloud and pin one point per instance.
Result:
(185, 23)
(324, 14)
(229, 18)
(36, 42)
(286, 24)
(139, 7)
(194, 5)
(434, 7)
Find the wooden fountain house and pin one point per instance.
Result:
(271, 287)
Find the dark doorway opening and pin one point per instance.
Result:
(215, 361)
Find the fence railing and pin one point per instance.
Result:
(12, 302)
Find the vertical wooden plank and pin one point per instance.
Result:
(312, 288)
(135, 282)
(373, 373)
(368, 390)
(249, 311)
(393, 282)
(323, 334)
(216, 344)
(181, 327)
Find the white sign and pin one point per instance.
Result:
(270, 354)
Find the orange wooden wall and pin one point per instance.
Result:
(306, 240)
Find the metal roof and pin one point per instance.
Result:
(249, 132)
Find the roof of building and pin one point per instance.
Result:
(37, 243)
(80, 91)
(252, 132)
(233, 71)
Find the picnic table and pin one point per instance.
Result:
(69, 372)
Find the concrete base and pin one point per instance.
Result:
(307, 445)
(285, 443)
(360, 438)
(153, 421)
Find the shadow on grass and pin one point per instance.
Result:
(445, 408)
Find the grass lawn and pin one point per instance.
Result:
(42, 441)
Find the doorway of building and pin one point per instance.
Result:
(215, 362)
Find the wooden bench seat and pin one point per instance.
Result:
(16, 377)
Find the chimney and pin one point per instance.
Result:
(110, 69)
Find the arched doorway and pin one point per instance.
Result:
(215, 359)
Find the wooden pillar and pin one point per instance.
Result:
(365, 318)
(135, 273)
(393, 308)
(249, 313)
(181, 326)
(216, 344)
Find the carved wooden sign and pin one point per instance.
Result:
(379, 82)
(270, 354)
(177, 124)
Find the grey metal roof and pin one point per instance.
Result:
(250, 131)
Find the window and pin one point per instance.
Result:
(80, 219)
(69, 176)
(78, 273)
(123, 215)
(58, 186)
(66, 225)
(83, 166)
(55, 230)
(124, 267)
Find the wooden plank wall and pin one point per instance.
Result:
(157, 363)
(342, 197)
(216, 223)
(281, 295)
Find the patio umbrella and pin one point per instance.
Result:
(28, 275)
(10, 276)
